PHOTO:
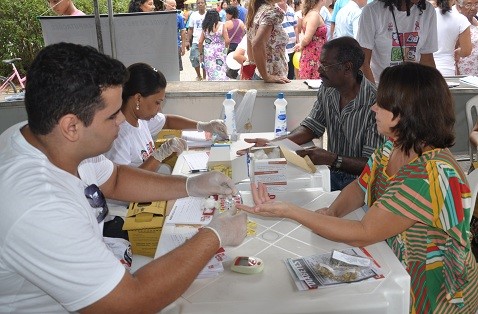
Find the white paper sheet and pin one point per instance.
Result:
(173, 237)
(289, 144)
(196, 139)
(189, 210)
(196, 161)
(473, 80)
(314, 84)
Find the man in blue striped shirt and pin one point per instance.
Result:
(343, 108)
(290, 27)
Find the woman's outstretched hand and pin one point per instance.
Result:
(264, 205)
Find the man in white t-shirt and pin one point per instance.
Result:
(194, 33)
(53, 184)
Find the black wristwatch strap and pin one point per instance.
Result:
(338, 162)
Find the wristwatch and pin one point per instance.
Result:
(338, 162)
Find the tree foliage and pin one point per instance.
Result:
(20, 29)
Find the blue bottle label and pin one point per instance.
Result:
(282, 116)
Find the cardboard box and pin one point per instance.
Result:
(144, 222)
(163, 136)
(220, 158)
(273, 171)
(166, 134)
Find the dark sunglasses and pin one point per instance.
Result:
(97, 199)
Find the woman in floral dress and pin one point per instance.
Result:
(469, 65)
(212, 46)
(266, 41)
(315, 36)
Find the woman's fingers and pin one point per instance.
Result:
(263, 193)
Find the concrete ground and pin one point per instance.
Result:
(188, 73)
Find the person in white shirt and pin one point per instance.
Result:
(347, 20)
(454, 38)
(327, 17)
(53, 184)
(143, 96)
(394, 31)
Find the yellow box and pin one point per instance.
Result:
(166, 134)
(144, 222)
(163, 136)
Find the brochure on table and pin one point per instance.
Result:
(174, 236)
(332, 268)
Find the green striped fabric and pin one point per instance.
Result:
(432, 190)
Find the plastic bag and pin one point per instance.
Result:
(341, 267)
(243, 109)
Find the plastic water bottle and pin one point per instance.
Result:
(280, 125)
(230, 116)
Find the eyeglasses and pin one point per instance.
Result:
(97, 199)
(470, 6)
(325, 67)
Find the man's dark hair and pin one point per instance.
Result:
(419, 95)
(143, 79)
(66, 79)
(348, 50)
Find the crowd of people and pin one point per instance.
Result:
(89, 139)
(438, 33)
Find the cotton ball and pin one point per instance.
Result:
(275, 153)
(210, 203)
(260, 154)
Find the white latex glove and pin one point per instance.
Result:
(214, 127)
(210, 183)
(230, 229)
(174, 145)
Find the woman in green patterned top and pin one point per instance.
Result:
(418, 195)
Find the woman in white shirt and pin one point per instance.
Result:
(415, 23)
(143, 95)
(454, 38)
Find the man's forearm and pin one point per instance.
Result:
(183, 38)
(353, 165)
(193, 256)
(300, 135)
(137, 185)
(161, 281)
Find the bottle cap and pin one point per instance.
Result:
(228, 96)
(280, 95)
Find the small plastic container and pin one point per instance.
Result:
(230, 116)
(280, 124)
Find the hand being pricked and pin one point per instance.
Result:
(264, 205)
